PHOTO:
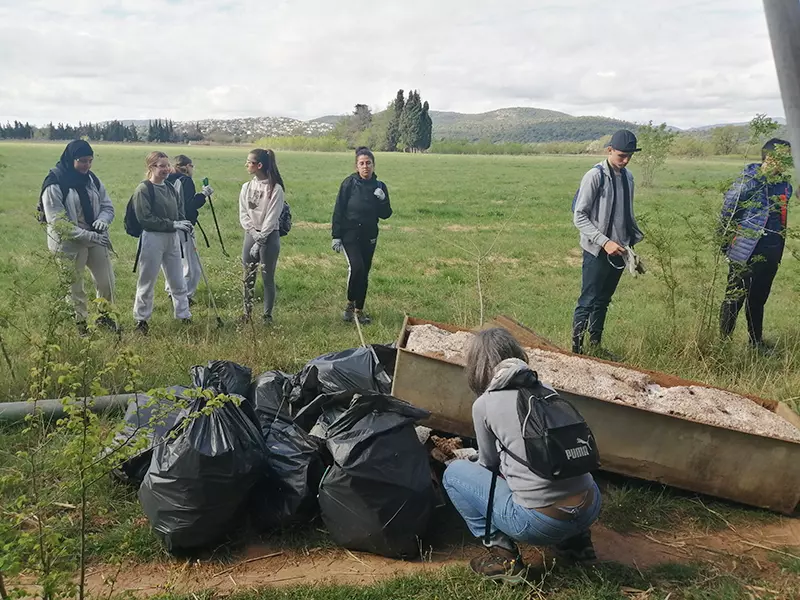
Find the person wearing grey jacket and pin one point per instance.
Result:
(78, 212)
(603, 214)
(526, 507)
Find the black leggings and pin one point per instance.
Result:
(359, 253)
(749, 286)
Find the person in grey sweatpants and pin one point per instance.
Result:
(162, 220)
(260, 205)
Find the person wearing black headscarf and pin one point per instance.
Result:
(78, 212)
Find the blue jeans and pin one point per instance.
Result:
(467, 483)
(599, 279)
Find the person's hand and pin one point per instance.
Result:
(207, 190)
(612, 248)
(100, 239)
(380, 194)
(100, 226)
(182, 226)
(336, 245)
(255, 251)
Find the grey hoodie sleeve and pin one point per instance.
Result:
(55, 213)
(487, 442)
(106, 213)
(584, 204)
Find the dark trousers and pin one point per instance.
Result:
(359, 253)
(599, 279)
(749, 285)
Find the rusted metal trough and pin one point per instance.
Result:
(633, 441)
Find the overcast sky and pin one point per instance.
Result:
(685, 62)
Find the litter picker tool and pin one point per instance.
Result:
(220, 323)
(216, 224)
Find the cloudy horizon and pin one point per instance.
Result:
(685, 63)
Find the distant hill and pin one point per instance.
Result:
(521, 124)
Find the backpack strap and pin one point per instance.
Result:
(151, 191)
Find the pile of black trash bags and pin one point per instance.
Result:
(329, 441)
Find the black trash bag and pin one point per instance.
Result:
(378, 494)
(295, 464)
(354, 369)
(223, 376)
(199, 479)
(387, 356)
(269, 396)
(145, 417)
(319, 414)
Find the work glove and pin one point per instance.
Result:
(336, 245)
(100, 226)
(380, 194)
(100, 239)
(255, 251)
(207, 190)
(633, 263)
(261, 237)
(182, 226)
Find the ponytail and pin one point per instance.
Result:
(269, 166)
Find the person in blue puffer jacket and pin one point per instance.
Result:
(753, 226)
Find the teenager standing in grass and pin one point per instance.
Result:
(603, 214)
(526, 507)
(181, 180)
(78, 212)
(753, 228)
(160, 212)
(260, 205)
(362, 200)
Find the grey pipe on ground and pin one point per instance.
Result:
(12, 412)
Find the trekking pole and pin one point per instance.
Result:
(216, 224)
(220, 323)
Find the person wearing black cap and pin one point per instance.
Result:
(603, 214)
(78, 212)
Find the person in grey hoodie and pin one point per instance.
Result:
(526, 508)
(603, 213)
(78, 212)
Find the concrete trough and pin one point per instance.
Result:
(743, 467)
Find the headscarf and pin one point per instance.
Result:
(65, 175)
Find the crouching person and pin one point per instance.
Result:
(526, 507)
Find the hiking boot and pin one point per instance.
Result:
(501, 565)
(577, 550)
(363, 318)
(349, 312)
(142, 327)
(83, 328)
(596, 350)
(107, 322)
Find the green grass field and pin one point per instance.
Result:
(514, 212)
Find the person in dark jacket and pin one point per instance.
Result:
(362, 200)
(753, 230)
(193, 201)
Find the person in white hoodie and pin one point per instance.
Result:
(76, 207)
(260, 205)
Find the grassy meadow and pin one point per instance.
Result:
(503, 221)
(511, 214)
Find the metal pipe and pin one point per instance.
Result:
(783, 24)
(11, 412)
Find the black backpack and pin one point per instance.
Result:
(285, 220)
(40, 216)
(132, 225)
(558, 442)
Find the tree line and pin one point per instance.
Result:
(160, 130)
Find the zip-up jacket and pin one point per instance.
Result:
(746, 209)
(358, 207)
(593, 211)
(192, 200)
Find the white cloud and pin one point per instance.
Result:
(687, 63)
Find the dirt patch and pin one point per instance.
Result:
(622, 385)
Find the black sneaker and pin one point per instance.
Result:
(363, 318)
(142, 327)
(266, 319)
(762, 347)
(500, 565)
(186, 321)
(107, 322)
(349, 312)
(577, 550)
(598, 351)
(83, 328)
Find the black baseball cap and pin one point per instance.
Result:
(624, 141)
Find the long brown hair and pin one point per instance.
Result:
(179, 164)
(152, 159)
(269, 166)
(488, 349)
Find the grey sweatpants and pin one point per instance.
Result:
(191, 264)
(268, 257)
(96, 259)
(160, 249)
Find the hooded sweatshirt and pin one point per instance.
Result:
(260, 207)
(494, 415)
(359, 205)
